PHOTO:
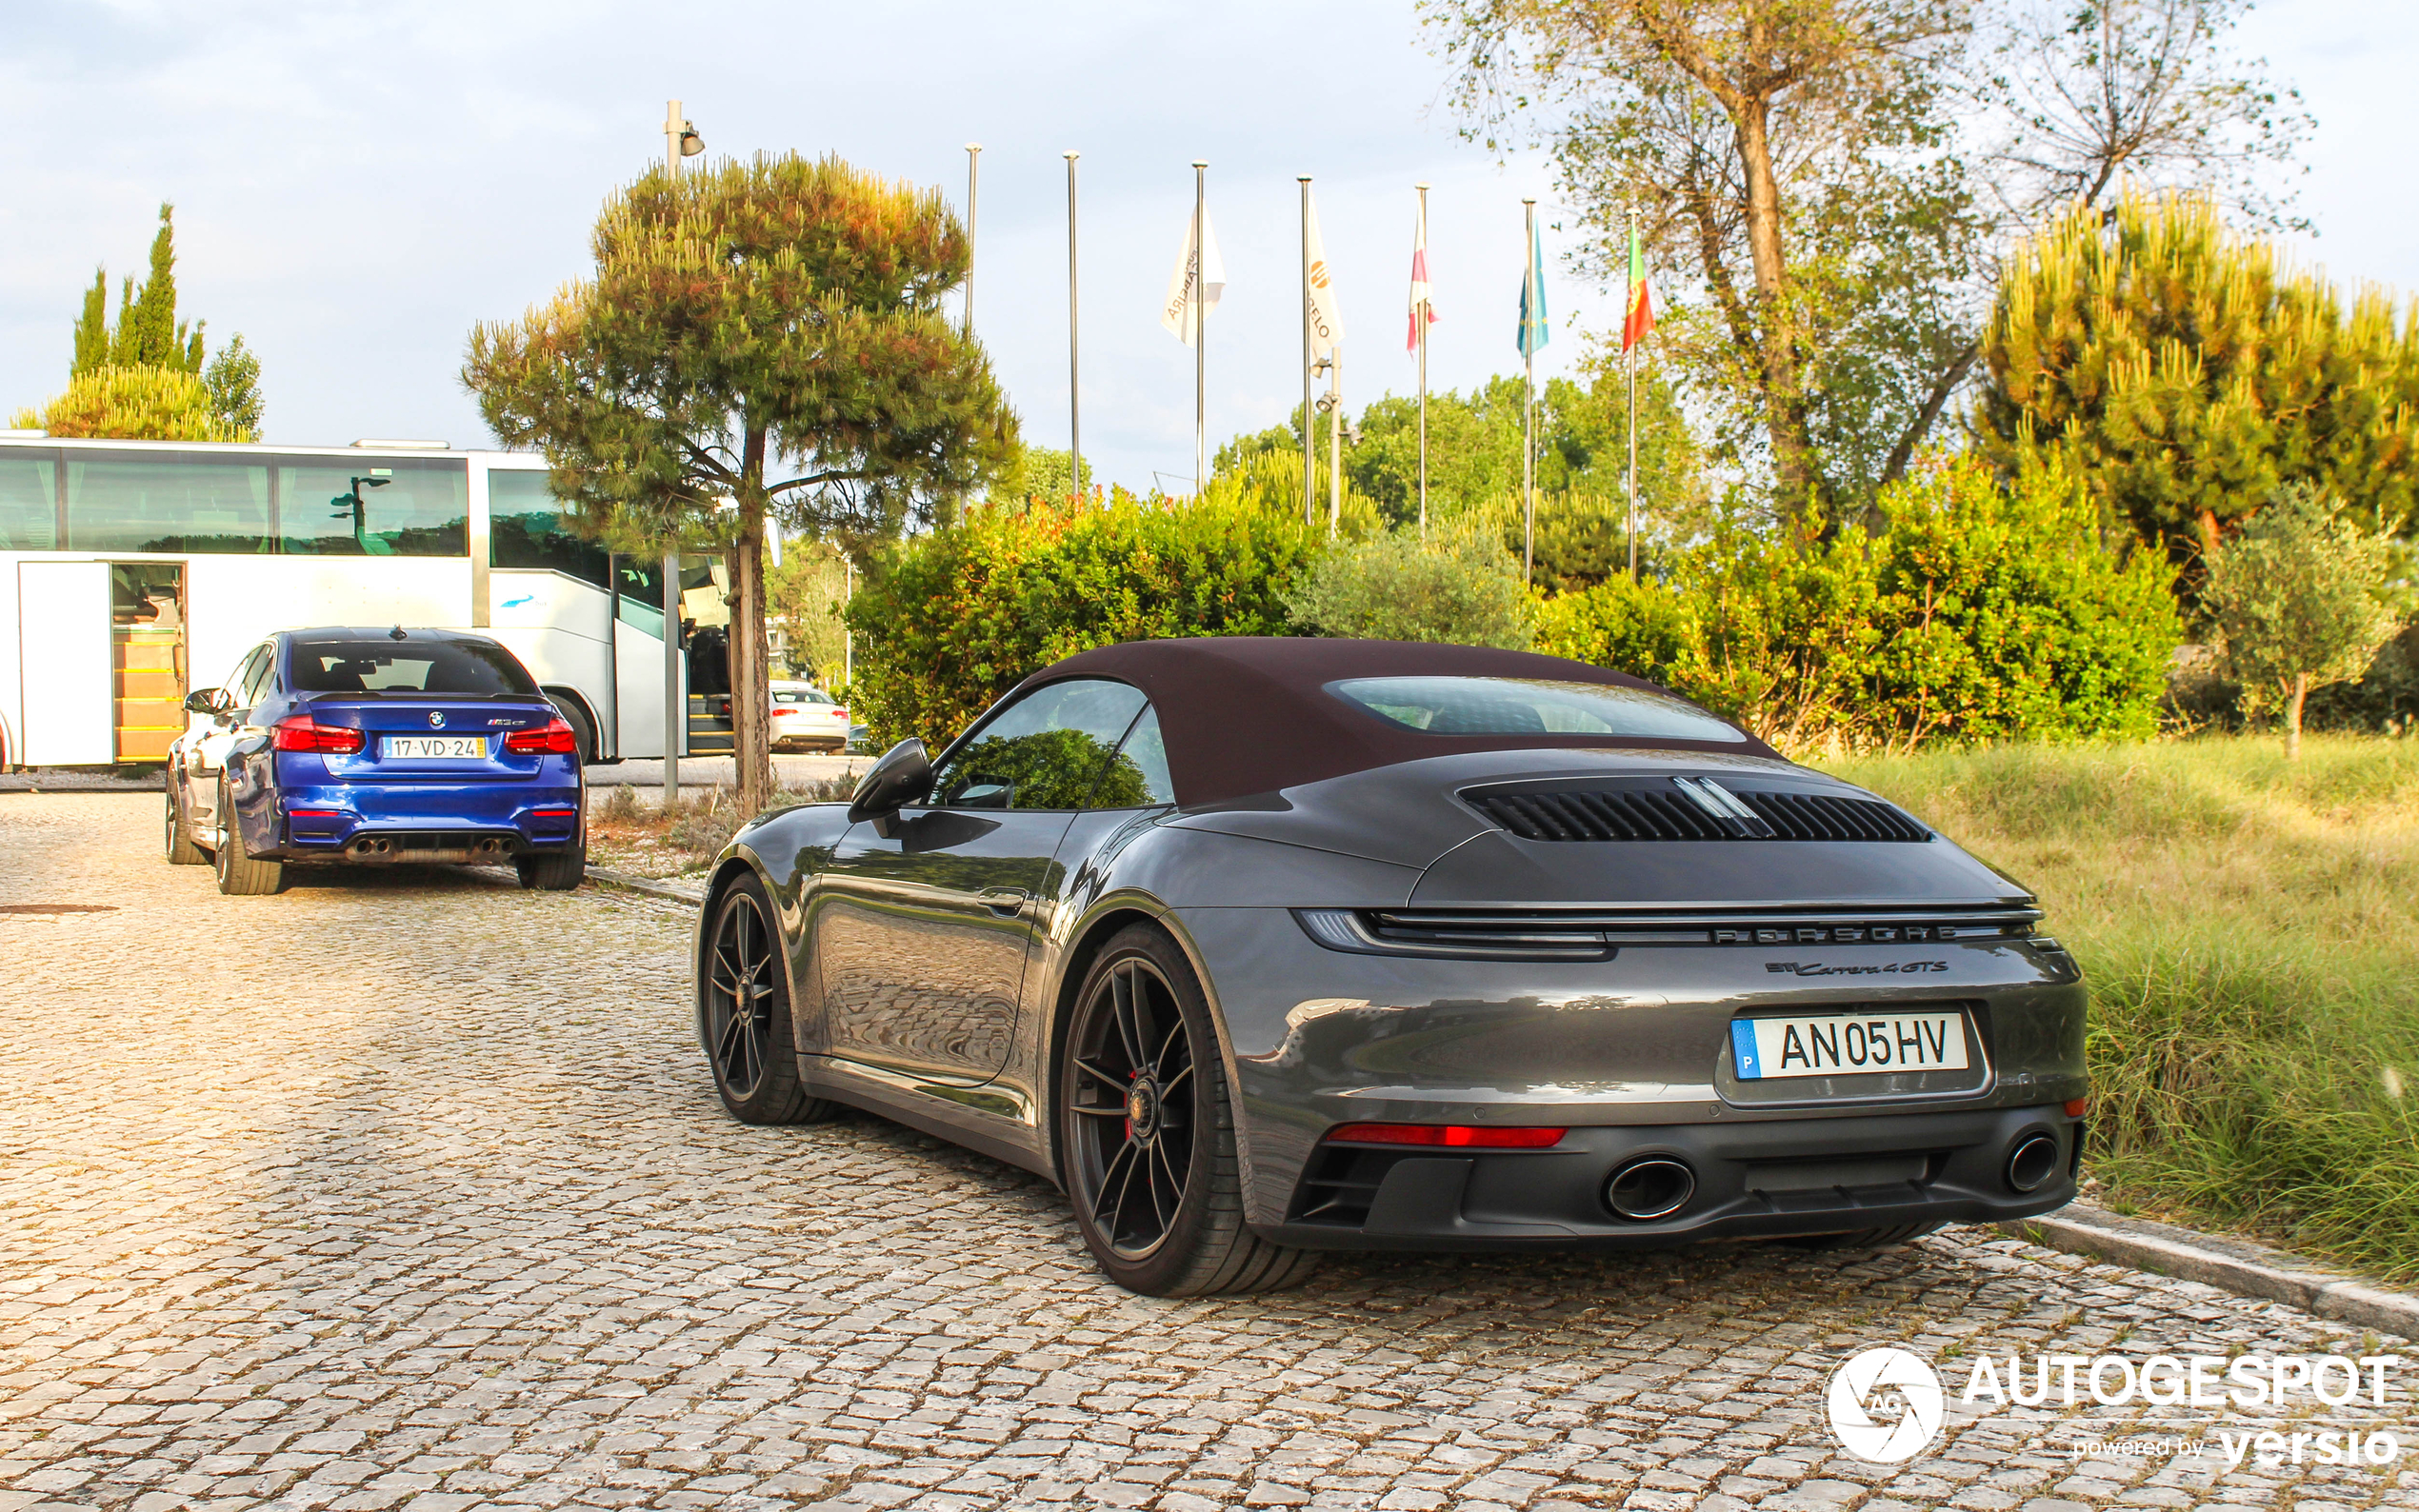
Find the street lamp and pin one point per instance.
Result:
(349, 504)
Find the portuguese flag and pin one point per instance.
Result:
(1637, 321)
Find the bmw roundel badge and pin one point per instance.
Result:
(436, 721)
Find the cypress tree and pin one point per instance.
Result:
(148, 332)
(93, 328)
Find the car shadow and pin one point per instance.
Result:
(318, 877)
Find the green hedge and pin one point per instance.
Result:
(1975, 613)
(959, 616)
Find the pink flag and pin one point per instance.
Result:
(1423, 313)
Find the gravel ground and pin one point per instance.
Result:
(411, 1190)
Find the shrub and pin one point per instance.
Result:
(961, 615)
(1459, 587)
(1975, 613)
(2301, 600)
(136, 403)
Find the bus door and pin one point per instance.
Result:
(148, 657)
(63, 640)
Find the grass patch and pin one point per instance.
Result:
(629, 833)
(2248, 931)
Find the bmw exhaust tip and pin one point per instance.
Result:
(1650, 1188)
(2032, 1162)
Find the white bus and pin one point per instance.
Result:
(132, 572)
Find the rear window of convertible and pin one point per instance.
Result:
(408, 666)
(1519, 705)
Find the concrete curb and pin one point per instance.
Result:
(2231, 1266)
(653, 889)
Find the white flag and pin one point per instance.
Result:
(1326, 316)
(1423, 313)
(1176, 314)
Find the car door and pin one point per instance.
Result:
(205, 753)
(922, 936)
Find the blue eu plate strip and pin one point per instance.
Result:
(1743, 1048)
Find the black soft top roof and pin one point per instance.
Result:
(1251, 714)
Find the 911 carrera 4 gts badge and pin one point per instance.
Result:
(436, 721)
(1816, 969)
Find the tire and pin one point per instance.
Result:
(583, 727)
(743, 1013)
(1147, 1132)
(558, 872)
(1862, 1238)
(241, 875)
(181, 849)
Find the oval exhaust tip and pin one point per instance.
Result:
(1647, 1189)
(2032, 1162)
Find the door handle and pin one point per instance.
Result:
(1004, 901)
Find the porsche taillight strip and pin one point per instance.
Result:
(1513, 934)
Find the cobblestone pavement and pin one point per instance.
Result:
(411, 1191)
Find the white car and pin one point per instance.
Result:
(806, 718)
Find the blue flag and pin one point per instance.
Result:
(1534, 330)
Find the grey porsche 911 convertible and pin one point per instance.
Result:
(1265, 948)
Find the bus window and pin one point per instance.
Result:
(173, 502)
(29, 500)
(638, 601)
(398, 506)
(528, 527)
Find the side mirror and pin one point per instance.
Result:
(205, 701)
(903, 775)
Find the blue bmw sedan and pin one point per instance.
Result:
(376, 747)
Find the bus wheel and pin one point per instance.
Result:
(577, 718)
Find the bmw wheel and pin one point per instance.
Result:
(743, 1008)
(240, 875)
(181, 849)
(1148, 1132)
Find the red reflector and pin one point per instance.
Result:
(314, 814)
(302, 732)
(2074, 1110)
(555, 739)
(1456, 1134)
(554, 813)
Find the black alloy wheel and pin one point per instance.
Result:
(1134, 1094)
(743, 1005)
(1146, 1133)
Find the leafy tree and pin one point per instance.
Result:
(806, 593)
(232, 378)
(139, 403)
(1460, 587)
(1801, 168)
(1040, 472)
(2301, 599)
(761, 340)
(2187, 377)
(1834, 177)
(958, 616)
(2089, 95)
(1473, 450)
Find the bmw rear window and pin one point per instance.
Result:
(467, 669)
(1520, 706)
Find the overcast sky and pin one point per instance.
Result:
(355, 184)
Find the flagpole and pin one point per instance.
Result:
(1309, 437)
(1631, 353)
(1200, 332)
(1529, 403)
(973, 164)
(1419, 318)
(1074, 361)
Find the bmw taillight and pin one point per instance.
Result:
(302, 732)
(1455, 1135)
(555, 739)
